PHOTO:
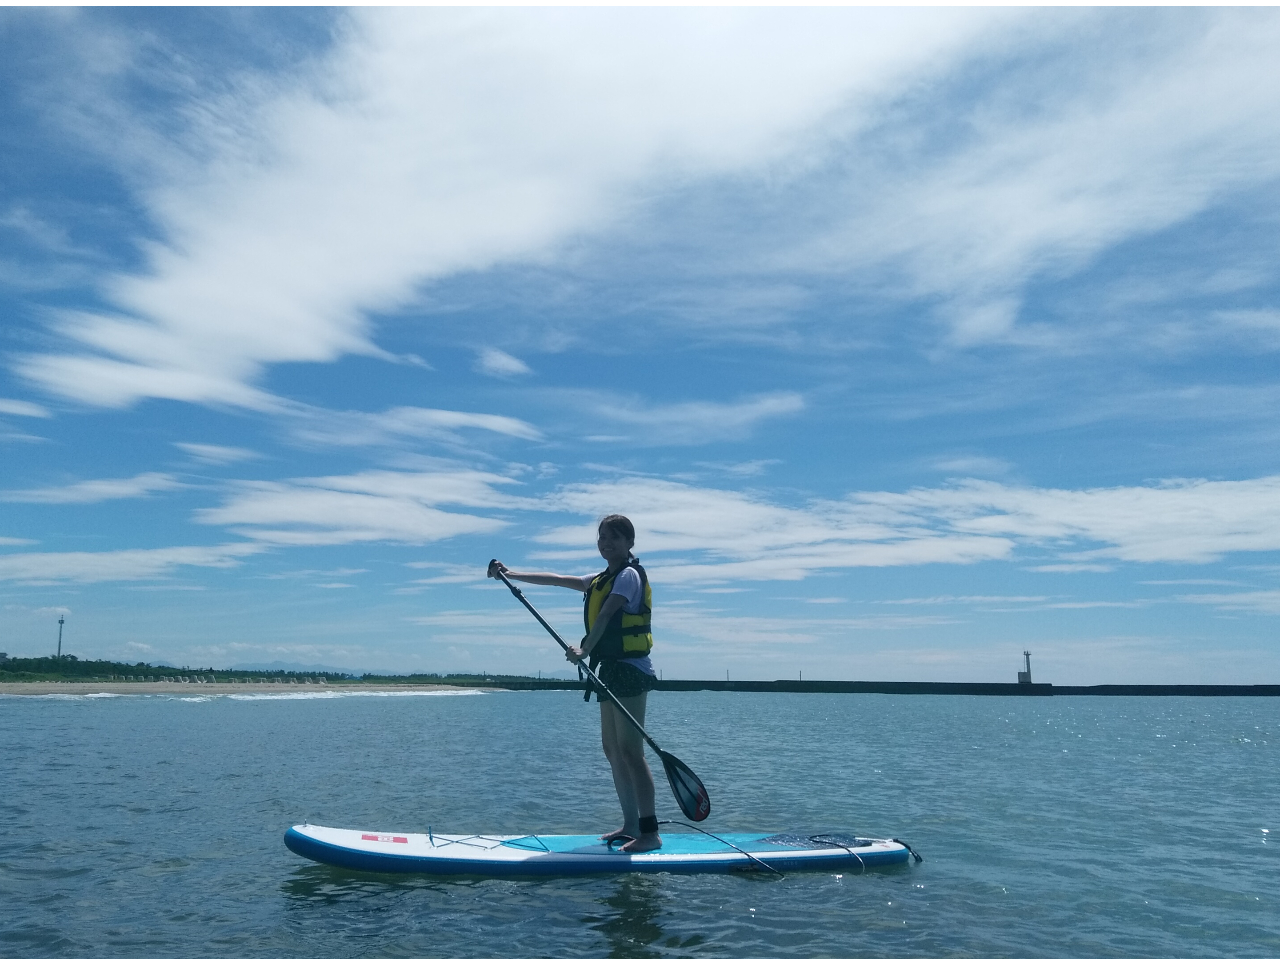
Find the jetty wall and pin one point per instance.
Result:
(918, 689)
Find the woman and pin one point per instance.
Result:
(617, 608)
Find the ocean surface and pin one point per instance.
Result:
(152, 825)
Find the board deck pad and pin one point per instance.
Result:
(560, 855)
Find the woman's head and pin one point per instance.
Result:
(615, 534)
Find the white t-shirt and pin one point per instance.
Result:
(627, 584)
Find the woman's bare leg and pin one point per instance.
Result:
(632, 778)
(610, 721)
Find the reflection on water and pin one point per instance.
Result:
(629, 920)
(325, 885)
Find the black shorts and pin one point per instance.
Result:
(624, 680)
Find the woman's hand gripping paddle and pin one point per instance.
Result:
(685, 785)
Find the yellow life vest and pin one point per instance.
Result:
(628, 635)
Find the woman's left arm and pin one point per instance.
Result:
(612, 603)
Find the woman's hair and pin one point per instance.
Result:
(618, 524)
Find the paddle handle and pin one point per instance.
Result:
(496, 571)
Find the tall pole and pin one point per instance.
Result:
(61, 619)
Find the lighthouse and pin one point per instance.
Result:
(1025, 675)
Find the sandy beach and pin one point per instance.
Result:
(207, 689)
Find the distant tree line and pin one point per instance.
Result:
(53, 668)
(69, 668)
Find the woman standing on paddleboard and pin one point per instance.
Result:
(617, 607)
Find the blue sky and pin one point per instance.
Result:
(908, 338)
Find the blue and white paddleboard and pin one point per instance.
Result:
(577, 855)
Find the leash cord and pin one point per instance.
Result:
(761, 862)
(918, 857)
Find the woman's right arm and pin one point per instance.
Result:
(545, 579)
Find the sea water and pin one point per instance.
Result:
(151, 825)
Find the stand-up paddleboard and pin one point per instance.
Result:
(578, 855)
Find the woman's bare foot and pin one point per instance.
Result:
(621, 833)
(646, 843)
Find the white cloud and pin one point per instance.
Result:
(23, 408)
(450, 573)
(118, 565)
(971, 465)
(103, 381)
(1187, 521)
(1189, 582)
(1071, 568)
(1113, 142)
(376, 506)
(505, 625)
(687, 424)
(1266, 601)
(16, 541)
(947, 600)
(216, 455)
(494, 362)
(95, 491)
(437, 141)
(728, 535)
(353, 428)
(39, 233)
(743, 537)
(714, 629)
(749, 468)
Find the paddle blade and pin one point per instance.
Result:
(687, 788)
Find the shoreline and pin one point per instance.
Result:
(213, 689)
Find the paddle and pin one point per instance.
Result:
(685, 785)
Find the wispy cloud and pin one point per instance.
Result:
(971, 465)
(1048, 174)
(694, 534)
(450, 573)
(682, 424)
(715, 629)
(1265, 601)
(748, 468)
(376, 506)
(948, 600)
(494, 362)
(118, 565)
(1188, 521)
(95, 491)
(216, 455)
(353, 428)
(432, 142)
(743, 537)
(47, 236)
(1072, 568)
(23, 408)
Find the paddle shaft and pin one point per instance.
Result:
(565, 646)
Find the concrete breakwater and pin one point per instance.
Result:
(921, 689)
(390, 684)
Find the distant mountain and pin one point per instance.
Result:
(279, 666)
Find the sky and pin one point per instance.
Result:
(909, 339)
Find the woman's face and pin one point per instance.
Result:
(613, 546)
